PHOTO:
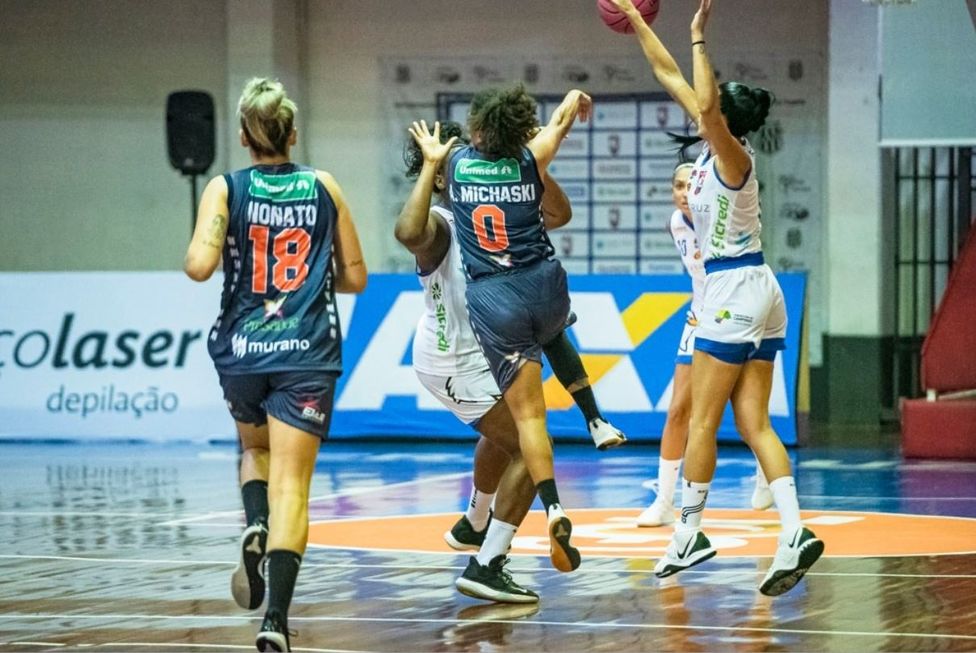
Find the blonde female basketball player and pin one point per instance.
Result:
(288, 245)
(743, 321)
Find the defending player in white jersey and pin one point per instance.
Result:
(675, 436)
(450, 364)
(743, 319)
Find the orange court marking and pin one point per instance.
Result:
(612, 533)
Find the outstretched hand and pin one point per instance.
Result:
(584, 106)
(430, 143)
(625, 6)
(700, 19)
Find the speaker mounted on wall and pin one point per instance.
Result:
(190, 131)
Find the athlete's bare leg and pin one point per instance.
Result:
(750, 403)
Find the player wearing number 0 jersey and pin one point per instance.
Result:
(517, 296)
(288, 245)
(743, 321)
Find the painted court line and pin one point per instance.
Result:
(410, 566)
(335, 495)
(455, 622)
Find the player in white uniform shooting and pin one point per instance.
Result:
(743, 320)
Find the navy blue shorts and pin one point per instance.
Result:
(299, 399)
(514, 314)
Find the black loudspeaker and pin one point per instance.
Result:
(190, 131)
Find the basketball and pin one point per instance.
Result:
(617, 21)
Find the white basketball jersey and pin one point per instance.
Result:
(683, 233)
(726, 219)
(444, 344)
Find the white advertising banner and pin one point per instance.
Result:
(108, 355)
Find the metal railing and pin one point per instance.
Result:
(931, 193)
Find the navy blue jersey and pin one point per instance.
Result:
(497, 212)
(278, 310)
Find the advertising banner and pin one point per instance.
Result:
(124, 356)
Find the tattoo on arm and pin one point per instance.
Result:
(352, 264)
(217, 232)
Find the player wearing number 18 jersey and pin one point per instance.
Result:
(288, 245)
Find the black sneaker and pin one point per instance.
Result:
(273, 635)
(463, 537)
(247, 583)
(564, 556)
(493, 582)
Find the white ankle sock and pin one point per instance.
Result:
(784, 495)
(693, 496)
(478, 507)
(667, 479)
(498, 539)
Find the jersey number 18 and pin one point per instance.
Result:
(290, 249)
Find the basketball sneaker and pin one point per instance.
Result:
(273, 635)
(659, 513)
(794, 556)
(247, 582)
(463, 536)
(605, 435)
(493, 582)
(687, 549)
(762, 496)
(565, 557)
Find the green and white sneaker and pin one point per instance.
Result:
(687, 549)
(794, 556)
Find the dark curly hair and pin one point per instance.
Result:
(413, 158)
(505, 119)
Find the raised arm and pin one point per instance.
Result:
(419, 229)
(665, 68)
(556, 209)
(731, 159)
(545, 143)
(207, 243)
(347, 255)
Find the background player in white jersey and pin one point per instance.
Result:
(743, 314)
(450, 364)
(675, 436)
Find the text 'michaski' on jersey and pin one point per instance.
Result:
(497, 211)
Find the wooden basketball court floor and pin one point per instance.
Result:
(130, 546)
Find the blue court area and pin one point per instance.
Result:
(130, 546)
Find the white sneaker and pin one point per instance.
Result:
(762, 496)
(659, 513)
(792, 560)
(605, 435)
(687, 549)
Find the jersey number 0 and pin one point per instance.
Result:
(290, 249)
(484, 214)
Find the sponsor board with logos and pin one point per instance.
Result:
(123, 355)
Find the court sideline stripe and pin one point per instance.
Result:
(572, 624)
(527, 570)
